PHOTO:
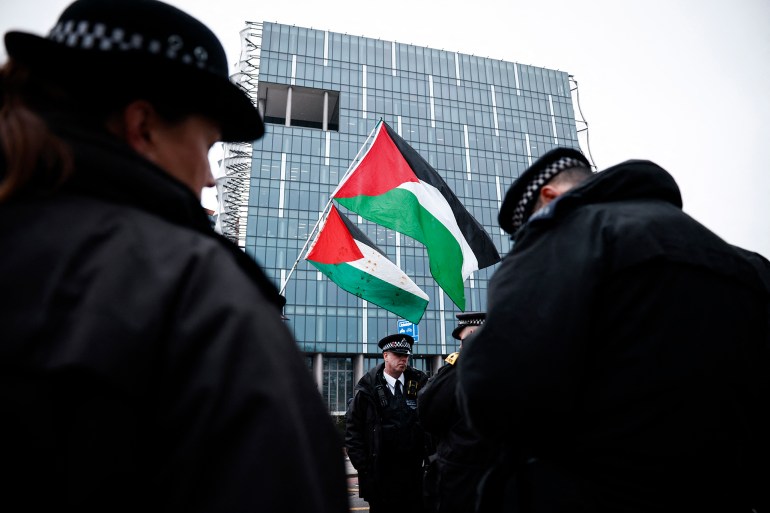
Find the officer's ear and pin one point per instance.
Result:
(135, 124)
(548, 193)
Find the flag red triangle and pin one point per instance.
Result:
(383, 168)
(334, 244)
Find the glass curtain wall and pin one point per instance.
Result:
(478, 121)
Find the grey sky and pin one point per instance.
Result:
(684, 83)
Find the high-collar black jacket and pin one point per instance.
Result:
(144, 365)
(623, 354)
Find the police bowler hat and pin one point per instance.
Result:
(400, 343)
(141, 47)
(521, 197)
(468, 319)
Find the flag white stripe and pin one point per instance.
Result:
(434, 202)
(376, 264)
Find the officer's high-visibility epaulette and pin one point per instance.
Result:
(452, 358)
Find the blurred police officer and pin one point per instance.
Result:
(462, 456)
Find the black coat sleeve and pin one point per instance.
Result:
(357, 434)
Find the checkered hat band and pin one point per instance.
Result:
(530, 193)
(85, 35)
(397, 344)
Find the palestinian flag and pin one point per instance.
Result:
(393, 186)
(348, 258)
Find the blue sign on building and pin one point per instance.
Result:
(409, 328)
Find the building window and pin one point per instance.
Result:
(337, 384)
(305, 106)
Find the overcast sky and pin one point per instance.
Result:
(684, 83)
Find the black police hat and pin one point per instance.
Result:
(400, 343)
(134, 47)
(521, 196)
(468, 319)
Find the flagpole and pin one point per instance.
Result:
(328, 204)
(355, 159)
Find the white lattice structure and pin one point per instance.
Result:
(580, 121)
(235, 168)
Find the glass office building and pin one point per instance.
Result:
(478, 121)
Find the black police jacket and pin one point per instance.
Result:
(143, 360)
(364, 438)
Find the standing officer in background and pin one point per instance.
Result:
(462, 456)
(384, 440)
(626, 343)
(144, 365)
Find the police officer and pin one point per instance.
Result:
(462, 456)
(383, 438)
(629, 343)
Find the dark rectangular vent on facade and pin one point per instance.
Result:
(306, 107)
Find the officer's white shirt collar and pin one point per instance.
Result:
(392, 381)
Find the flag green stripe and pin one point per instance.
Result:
(376, 291)
(444, 251)
(434, 202)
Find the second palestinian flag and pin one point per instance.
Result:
(348, 258)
